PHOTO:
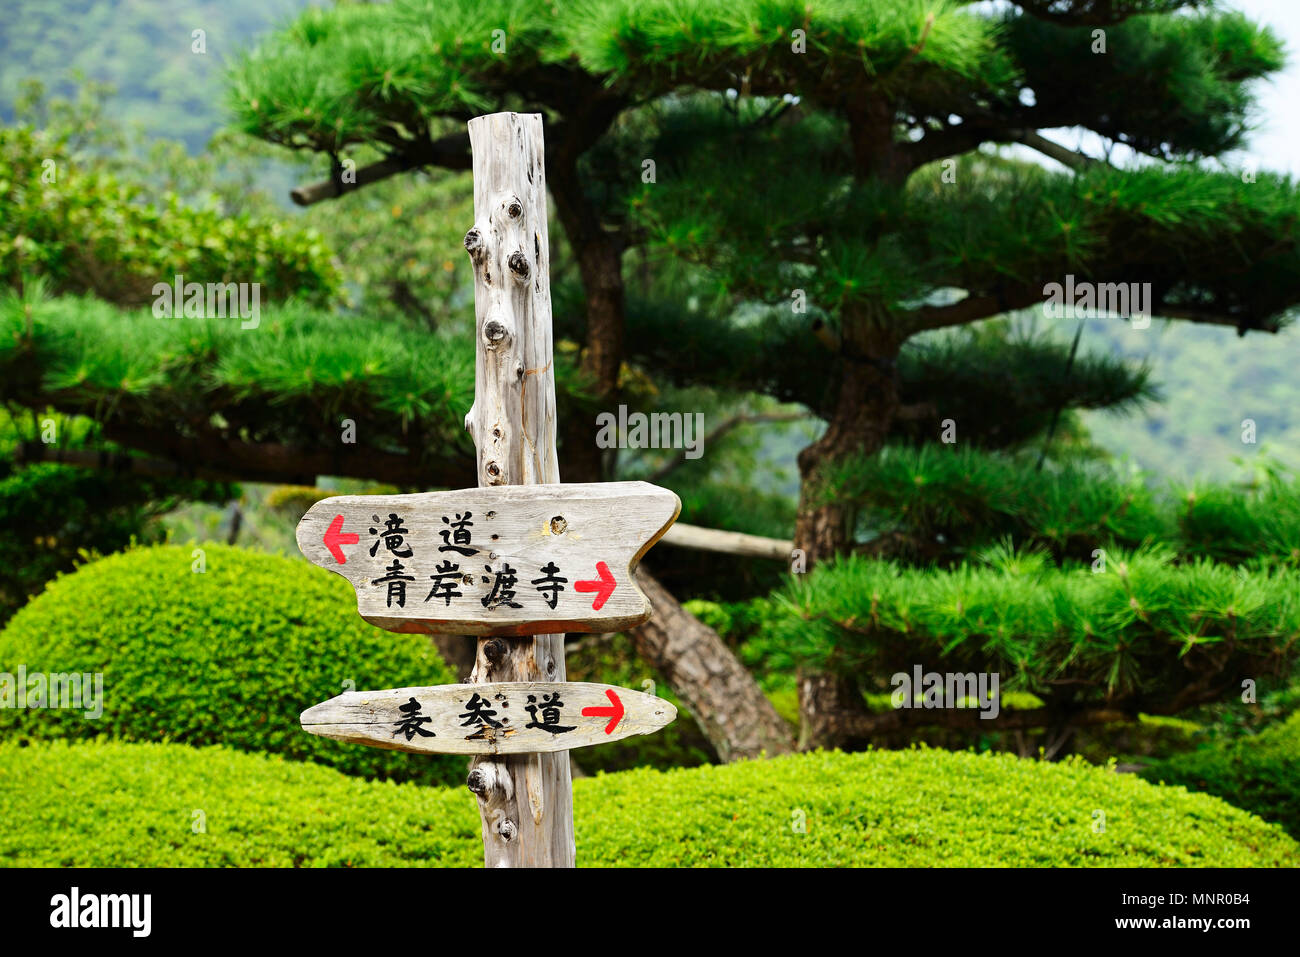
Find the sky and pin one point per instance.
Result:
(1275, 145)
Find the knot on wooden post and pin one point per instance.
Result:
(494, 331)
(507, 830)
(519, 267)
(477, 782)
(491, 782)
(514, 208)
(494, 651)
(474, 244)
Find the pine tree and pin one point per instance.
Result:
(835, 149)
(815, 189)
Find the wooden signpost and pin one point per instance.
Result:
(517, 562)
(513, 717)
(511, 560)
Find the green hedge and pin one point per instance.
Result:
(1259, 773)
(230, 656)
(116, 804)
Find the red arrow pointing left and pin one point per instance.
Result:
(602, 586)
(615, 714)
(335, 536)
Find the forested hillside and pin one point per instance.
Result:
(1210, 381)
(144, 48)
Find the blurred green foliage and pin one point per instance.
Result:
(1212, 382)
(88, 231)
(53, 517)
(144, 49)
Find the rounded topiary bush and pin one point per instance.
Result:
(1260, 773)
(228, 655)
(915, 808)
(117, 804)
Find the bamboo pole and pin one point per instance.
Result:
(525, 801)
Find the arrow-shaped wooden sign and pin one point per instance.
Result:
(511, 717)
(505, 560)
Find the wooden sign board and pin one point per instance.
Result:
(509, 717)
(504, 560)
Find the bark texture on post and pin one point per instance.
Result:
(525, 801)
(723, 696)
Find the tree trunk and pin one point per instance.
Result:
(720, 692)
(525, 801)
(459, 652)
(599, 255)
(865, 406)
(831, 711)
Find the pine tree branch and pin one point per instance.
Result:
(952, 141)
(702, 539)
(115, 461)
(984, 306)
(956, 140)
(972, 308)
(268, 462)
(1100, 13)
(449, 152)
(1078, 162)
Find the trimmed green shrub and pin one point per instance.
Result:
(231, 655)
(116, 804)
(1260, 774)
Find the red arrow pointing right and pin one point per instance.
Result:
(615, 714)
(603, 586)
(335, 536)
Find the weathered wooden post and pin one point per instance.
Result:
(501, 562)
(526, 802)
